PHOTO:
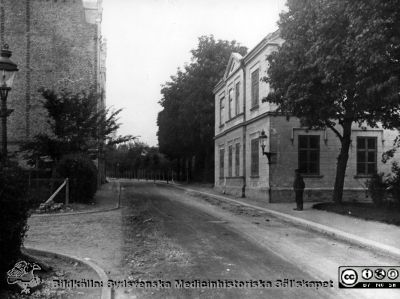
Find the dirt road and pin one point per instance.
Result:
(187, 237)
(165, 236)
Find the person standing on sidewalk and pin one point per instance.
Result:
(298, 186)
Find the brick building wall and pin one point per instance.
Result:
(54, 47)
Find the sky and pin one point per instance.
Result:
(147, 40)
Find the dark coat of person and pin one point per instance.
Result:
(298, 184)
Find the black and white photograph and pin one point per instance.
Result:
(199, 149)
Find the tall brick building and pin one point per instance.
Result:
(240, 117)
(56, 44)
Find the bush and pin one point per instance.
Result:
(377, 187)
(13, 217)
(82, 174)
(394, 182)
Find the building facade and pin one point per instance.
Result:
(240, 116)
(56, 44)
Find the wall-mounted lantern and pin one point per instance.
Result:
(263, 142)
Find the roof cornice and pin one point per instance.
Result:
(269, 40)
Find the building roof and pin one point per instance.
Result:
(271, 38)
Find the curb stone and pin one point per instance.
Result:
(351, 238)
(106, 293)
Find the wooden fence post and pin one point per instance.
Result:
(119, 195)
(66, 191)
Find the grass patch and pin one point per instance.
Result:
(389, 213)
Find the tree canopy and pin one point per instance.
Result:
(134, 157)
(339, 65)
(186, 123)
(76, 125)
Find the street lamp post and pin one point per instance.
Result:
(7, 73)
(263, 142)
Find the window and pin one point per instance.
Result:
(309, 154)
(366, 155)
(221, 110)
(230, 160)
(237, 159)
(254, 88)
(230, 96)
(221, 162)
(254, 157)
(237, 94)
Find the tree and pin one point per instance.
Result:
(137, 157)
(186, 123)
(76, 125)
(339, 65)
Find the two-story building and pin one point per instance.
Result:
(241, 116)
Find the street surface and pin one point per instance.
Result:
(165, 234)
(215, 240)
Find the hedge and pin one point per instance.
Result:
(14, 209)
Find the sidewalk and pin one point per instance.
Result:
(91, 236)
(105, 199)
(381, 237)
(94, 234)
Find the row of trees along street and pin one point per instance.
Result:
(186, 123)
(137, 160)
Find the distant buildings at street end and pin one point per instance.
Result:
(240, 116)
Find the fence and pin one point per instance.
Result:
(142, 174)
(41, 186)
